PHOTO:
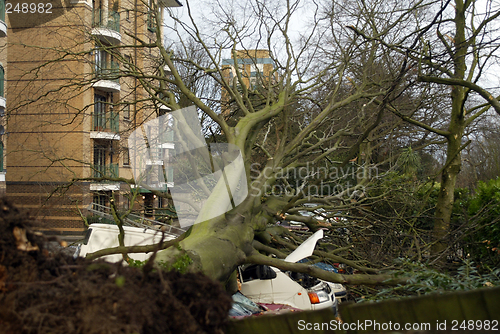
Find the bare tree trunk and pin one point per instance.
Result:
(444, 205)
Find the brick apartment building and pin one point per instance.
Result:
(69, 110)
(256, 67)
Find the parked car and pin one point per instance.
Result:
(100, 236)
(339, 289)
(265, 284)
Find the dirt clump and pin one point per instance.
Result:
(41, 292)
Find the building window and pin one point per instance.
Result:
(148, 205)
(127, 14)
(99, 155)
(101, 199)
(151, 19)
(100, 61)
(1, 156)
(104, 165)
(99, 112)
(105, 66)
(129, 61)
(126, 203)
(241, 69)
(2, 75)
(126, 157)
(126, 112)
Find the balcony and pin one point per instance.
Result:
(3, 26)
(108, 77)
(106, 27)
(103, 171)
(105, 126)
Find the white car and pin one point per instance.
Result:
(101, 236)
(265, 284)
(339, 290)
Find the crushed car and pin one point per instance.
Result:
(101, 236)
(339, 289)
(266, 284)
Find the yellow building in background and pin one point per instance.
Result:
(256, 68)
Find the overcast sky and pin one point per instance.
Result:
(201, 11)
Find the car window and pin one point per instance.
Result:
(250, 273)
(257, 272)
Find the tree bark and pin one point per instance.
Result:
(216, 247)
(444, 206)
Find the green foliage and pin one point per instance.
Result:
(487, 193)
(409, 161)
(483, 242)
(136, 263)
(424, 280)
(397, 194)
(182, 263)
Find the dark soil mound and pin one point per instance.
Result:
(45, 293)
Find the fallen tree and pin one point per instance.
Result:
(306, 132)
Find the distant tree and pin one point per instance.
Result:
(451, 49)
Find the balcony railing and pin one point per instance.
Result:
(108, 121)
(112, 21)
(110, 170)
(107, 71)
